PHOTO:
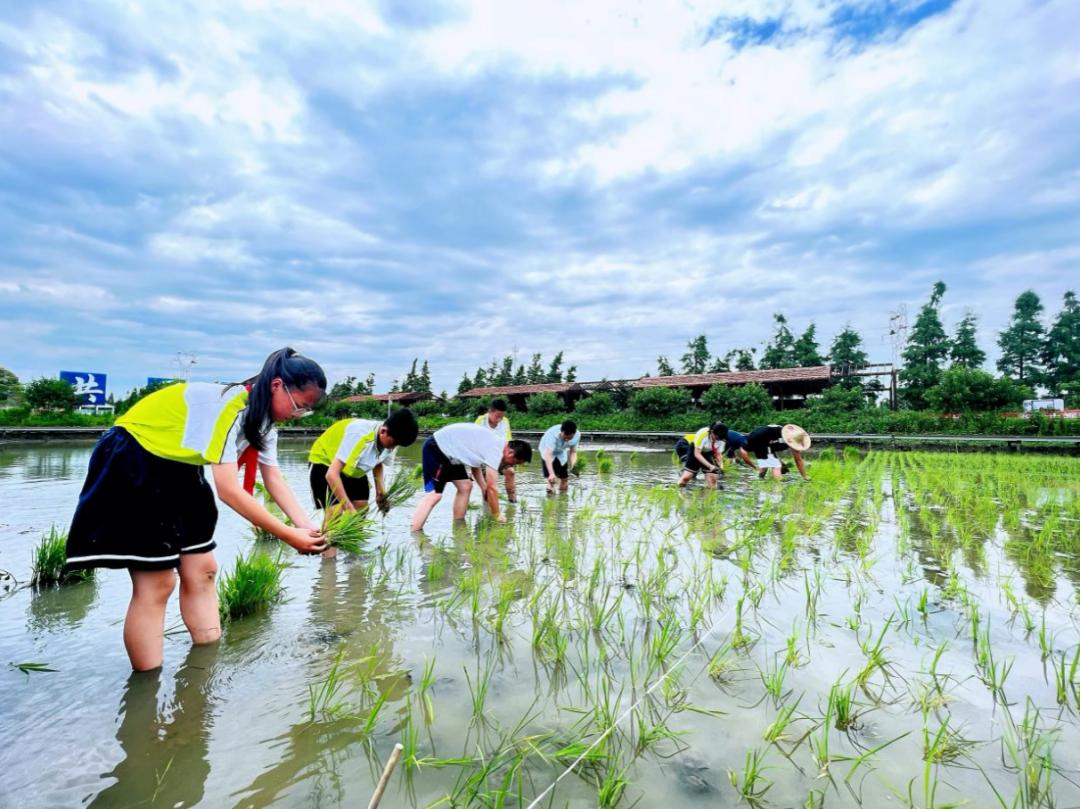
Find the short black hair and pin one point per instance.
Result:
(719, 429)
(498, 404)
(521, 449)
(568, 427)
(402, 426)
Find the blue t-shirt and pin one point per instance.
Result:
(735, 441)
(553, 440)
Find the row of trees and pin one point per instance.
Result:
(499, 374)
(1032, 355)
(784, 350)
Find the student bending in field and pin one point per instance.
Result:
(146, 505)
(496, 421)
(343, 455)
(558, 454)
(454, 453)
(765, 442)
(700, 452)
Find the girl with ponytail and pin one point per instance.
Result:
(146, 505)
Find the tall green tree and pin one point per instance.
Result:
(521, 377)
(535, 375)
(10, 389)
(806, 350)
(663, 366)
(741, 359)
(571, 374)
(1061, 351)
(1023, 341)
(466, 384)
(423, 379)
(720, 364)
(696, 358)
(964, 350)
(927, 348)
(411, 381)
(554, 373)
(780, 351)
(846, 356)
(51, 394)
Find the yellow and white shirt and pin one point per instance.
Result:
(702, 439)
(502, 429)
(353, 442)
(196, 423)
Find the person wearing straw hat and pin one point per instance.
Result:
(765, 442)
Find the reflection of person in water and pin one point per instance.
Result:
(165, 760)
(346, 617)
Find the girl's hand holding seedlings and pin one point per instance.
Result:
(552, 479)
(380, 502)
(305, 540)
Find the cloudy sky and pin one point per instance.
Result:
(457, 181)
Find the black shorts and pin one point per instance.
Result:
(355, 488)
(139, 511)
(438, 469)
(561, 472)
(685, 450)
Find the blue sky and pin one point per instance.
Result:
(370, 183)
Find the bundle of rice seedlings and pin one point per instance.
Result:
(253, 585)
(401, 488)
(418, 472)
(50, 555)
(605, 465)
(348, 530)
(579, 464)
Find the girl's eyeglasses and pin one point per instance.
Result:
(298, 412)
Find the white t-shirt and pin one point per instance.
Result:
(370, 455)
(470, 445)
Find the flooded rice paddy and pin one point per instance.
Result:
(902, 630)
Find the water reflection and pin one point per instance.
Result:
(165, 751)
(59, 608)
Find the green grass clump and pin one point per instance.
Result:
(50, 556)
(579, 465)
(252, 586)
(605, 465)
(348, 530)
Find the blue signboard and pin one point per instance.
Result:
(160, 380)
(89, 387)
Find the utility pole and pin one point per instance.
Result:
(184, 360)
(898, 327)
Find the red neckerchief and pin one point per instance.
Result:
(248, 463)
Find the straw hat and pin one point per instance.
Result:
(796, 437)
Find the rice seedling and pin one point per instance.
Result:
(50, 556)
(776, 731)
(946, 745)
(324, 698)
(842, 706)
(253, 585)
(605, 465)
(773, 679)
(403, 486)
(751, 784)
(347, 530)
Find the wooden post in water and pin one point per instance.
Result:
(384, 779)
